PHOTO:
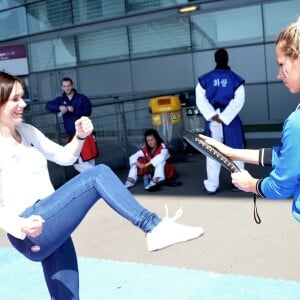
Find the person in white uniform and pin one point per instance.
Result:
(151, 161)
(220, 96)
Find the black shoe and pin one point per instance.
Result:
(172, 183)
(153, 188)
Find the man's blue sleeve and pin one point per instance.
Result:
(54, 105)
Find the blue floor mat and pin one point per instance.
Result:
(112, 280)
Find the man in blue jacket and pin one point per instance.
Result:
(72, 105)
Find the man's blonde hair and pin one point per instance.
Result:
(289, 40)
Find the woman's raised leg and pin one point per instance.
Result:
(64, 210)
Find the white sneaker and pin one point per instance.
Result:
(168, 233)
(128, 184)
(150, 185)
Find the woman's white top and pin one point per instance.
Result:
(24, 176)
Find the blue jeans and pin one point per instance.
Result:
(63, 211)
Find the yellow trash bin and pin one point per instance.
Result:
(166, 119)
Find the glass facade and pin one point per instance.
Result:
(277, 15)
(108, 45)
(90, 10)
(253, 24)
(168, 36)
(137, 5)
(48, 15)
(5, 4)
(13, 23)
(127, 50)
(230, 27)
(54, 54)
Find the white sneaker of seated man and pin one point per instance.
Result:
(128, 184)
(152, 185)
(168, 233)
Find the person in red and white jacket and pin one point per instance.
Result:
(151, 161)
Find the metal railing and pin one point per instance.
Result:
(121, 120)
